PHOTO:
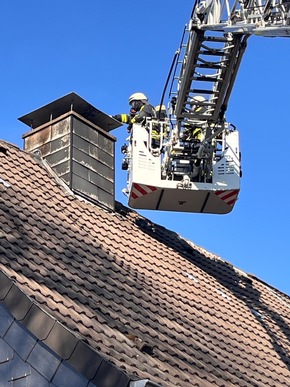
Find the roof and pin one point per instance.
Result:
(150, 304)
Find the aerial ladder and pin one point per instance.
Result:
(168, 167)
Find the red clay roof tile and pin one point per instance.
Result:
(155, 305)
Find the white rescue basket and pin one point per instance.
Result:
(160, 177)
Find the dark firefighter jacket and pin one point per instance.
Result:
(138, 117)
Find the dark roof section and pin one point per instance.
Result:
(67, 103)
(148, 302)
(24, 360)
(64, 344)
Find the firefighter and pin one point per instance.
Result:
(197, 106)
(192, 131)
(140, 110)
(161, 112)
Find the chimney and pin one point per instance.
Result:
(73, 136)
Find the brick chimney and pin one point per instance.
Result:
(73, 136)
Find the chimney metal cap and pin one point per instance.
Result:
(69, 102)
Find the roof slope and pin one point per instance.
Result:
(153, 304)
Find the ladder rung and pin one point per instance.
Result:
(212, 52)
(207, 79)
(214, 66)
(207, 105)
(220, 63)
(215, 39)
(200, 91)
(208, 48)
(196, 116)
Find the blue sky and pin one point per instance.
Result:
(106, 50)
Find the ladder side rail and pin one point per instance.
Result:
(243, 46)
(178, 63)
(188, 61)
(225, 88)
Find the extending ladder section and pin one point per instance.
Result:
(209, 68)
(217, 36)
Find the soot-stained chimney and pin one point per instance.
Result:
(73, 136)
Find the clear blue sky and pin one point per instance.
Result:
(106, 50)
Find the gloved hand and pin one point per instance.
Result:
(118, 117)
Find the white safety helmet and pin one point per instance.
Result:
(194, 103)
(198, 98)
(138, 97)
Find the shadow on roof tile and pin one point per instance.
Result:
(241, 287)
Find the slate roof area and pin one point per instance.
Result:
(129, 297)
(26, 361)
